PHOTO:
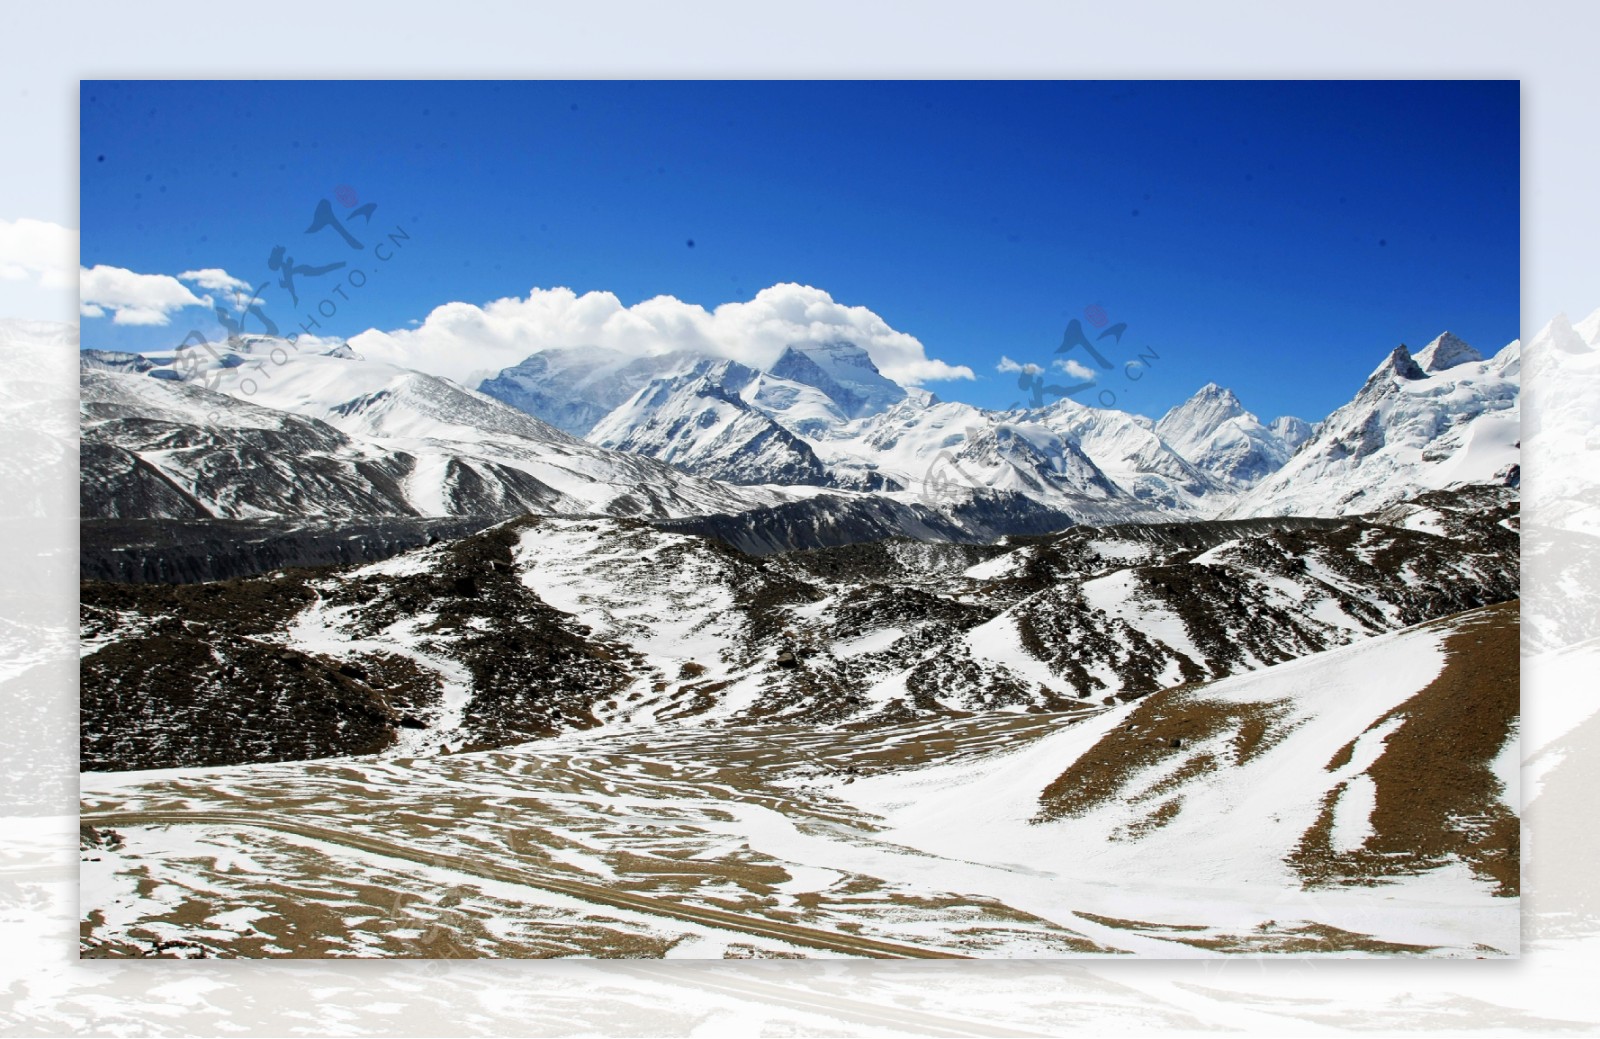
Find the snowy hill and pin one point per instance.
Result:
(1256, 814)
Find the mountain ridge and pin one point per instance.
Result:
(823, 419)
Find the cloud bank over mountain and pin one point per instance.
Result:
(466, 342)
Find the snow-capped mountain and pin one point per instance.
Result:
(323, 434)
(822, 414)
(725, 439)
(1445, 352)
(841, 370)
(574, 388)
(832, 420)
(37, 416)
(1561, 439)
(1214, 432)
(1133, 455)
(1292, 431)
(113, 361)
(1408, 430)
(711, 421)
(331, 435)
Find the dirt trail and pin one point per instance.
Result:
(848, 944)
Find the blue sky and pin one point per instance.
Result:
(1278, 238)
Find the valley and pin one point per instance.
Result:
(913, 838)
(680, 657)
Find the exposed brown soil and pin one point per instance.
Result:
(1437, 798)
(1165, 725)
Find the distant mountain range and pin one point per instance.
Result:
(820, 448)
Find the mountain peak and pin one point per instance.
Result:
(1447, 351)
(1291, 430)
(1200, 416)
(841, 370)
(1401, 363)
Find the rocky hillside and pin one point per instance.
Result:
(544, 624)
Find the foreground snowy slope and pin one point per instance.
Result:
(1353, 803)
(1389, 762)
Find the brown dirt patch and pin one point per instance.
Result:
(1166, 725)
(1437, 798)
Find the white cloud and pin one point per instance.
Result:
(133, 299)
(38, 251)
(467, 342)
(1008, 365)
(217, 280)
(1075, 369)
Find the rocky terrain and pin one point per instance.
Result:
(544, 624)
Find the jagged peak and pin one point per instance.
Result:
(841, 370)
(1398, 363)
(1292, 430)
(838, 349)
(1206, 411)
(1212, 389)
(1589, 329)
(1446, 351)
